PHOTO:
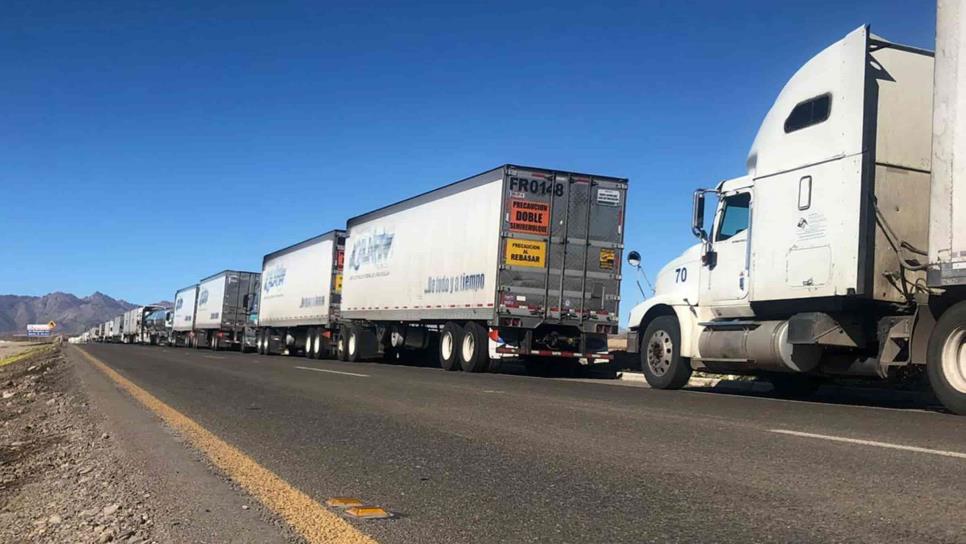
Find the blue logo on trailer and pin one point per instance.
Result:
(373, 248)
(274, 278)
(203, 298)
(178, 303)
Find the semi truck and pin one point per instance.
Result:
(157, 327)
(133, 328)
(842, 250)
(514, 262)
(225, 302)
(300, 296)
(183, 317)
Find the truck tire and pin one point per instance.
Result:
(215, 343)
(449, 341)
(474, 348)
(316, 343)
(353, 344)
(308, 344)
(946, 359)
(661, 360)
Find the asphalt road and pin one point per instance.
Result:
(512, 458)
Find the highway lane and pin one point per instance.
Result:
(508, 458)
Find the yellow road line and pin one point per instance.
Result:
(309, 518)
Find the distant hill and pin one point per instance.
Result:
(73, 315)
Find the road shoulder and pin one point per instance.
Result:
(215, 510)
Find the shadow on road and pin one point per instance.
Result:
(866, 395)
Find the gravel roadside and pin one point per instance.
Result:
(61, 476)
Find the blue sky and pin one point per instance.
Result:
(147, 145)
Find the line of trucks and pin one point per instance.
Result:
(840, 252)
(515, 262)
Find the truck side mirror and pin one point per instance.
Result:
(697, 217)
(634, 259)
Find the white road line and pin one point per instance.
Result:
(916, 449)
(212, 357)
(333, 371)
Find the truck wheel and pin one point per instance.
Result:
(308, 343)
(353, 344)
(661, 360)
(946, 359)
(315, 338)
(215, 343)
(474, 352)
(449, 340)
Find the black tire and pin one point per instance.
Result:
(661, 360)
(315, 346)
(353, 344)
(794, 386)
(474, 353)
(260, 342)
(946, 359)
(449, 340)
(307, 345)
(215, 342)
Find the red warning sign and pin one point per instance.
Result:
(529, 217)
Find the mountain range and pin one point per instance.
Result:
(73, 315)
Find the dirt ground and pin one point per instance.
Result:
(60, 477)
(10, 348)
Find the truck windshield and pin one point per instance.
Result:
(735, 217)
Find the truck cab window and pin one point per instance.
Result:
(735, 216)
(810, 112)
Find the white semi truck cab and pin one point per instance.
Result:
(842, 250)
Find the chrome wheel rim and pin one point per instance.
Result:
(660, 350)
(469, 346)
(352, 344)
(954, 359)
(316, 344)
(446, 345)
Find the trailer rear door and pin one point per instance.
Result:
(561, 247)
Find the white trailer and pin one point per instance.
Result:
(183, 318)
(298, 308)
(514, 262)
(117, 329)
(841, 250)
(134, 331)
(226, 302)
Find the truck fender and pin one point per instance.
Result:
(658, 306)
